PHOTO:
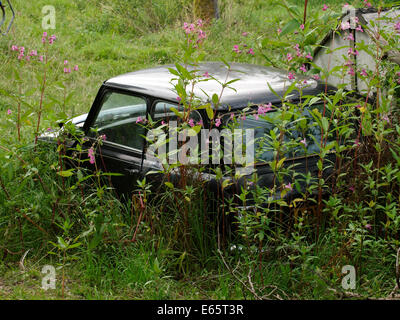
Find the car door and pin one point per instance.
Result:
(117, 134)
(163, 115)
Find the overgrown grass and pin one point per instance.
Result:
(105, 39)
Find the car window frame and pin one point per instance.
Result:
(177, 105)
(96, 108)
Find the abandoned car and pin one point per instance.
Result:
(124, 101)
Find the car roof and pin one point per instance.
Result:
(252, 88)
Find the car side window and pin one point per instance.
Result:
(263, 127)
(163, 112)
(121, 118)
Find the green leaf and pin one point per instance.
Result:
(75, 245)
(66, 173)
(210, 112)
(325, 124)
(196, 129)
(178, 114)
(290, 27)
(169, 185)
(62, 244)
(215, 99)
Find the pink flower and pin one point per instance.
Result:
(325, 7)
(397, 26)
(217, 122)
(315, 77)
(236, 48)
(163, 122)
(303, 68)
(304, 142)
(49, 129)
(9, 111)
(279, 30)
(41, 58)
(289, 57)
(179, 99)
(91, 155)
(139, 120)
(206, 74)
(67, 70)
(291, 76)
(191, 122)
(386, 118)
(368, 226)
(263, 109)
(363, 73)
(348, 63)
(351, 71)
(345, 25)
(103, 137)
(297, 48)
(232, 116)
(201, 35)
(359, 28)
(188, 27)
(52, 39)
(351, 188)
(200, 123)
(44, 37)
(350, 37)
(309, 56)
(367, 4)
(65, 62)
(352, 52)
(251, 51)
(288, 186)
(14, 48)
(199, 23)
(21, 49)
(245, 34)
(76, 68)
(302, 26)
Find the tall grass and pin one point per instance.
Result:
(170, 245)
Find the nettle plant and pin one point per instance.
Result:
(364, 194)
(35, 108)
(361, 131)
(293, 128)
(36, 181)
(293, 41)
(185, 194)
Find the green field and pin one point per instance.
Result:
(105, 39)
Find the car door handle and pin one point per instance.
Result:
(132, 171)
